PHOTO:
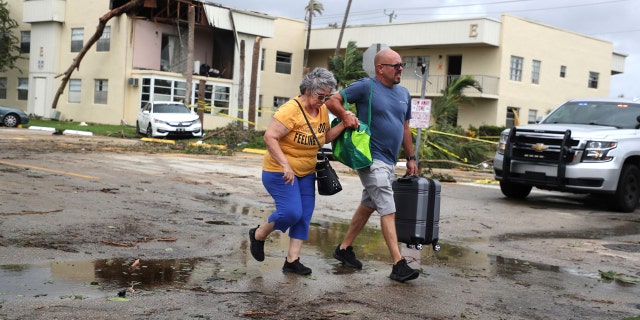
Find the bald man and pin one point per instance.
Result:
(390, 114)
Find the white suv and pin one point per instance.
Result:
(583, 146)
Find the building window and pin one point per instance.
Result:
(512, 117)
(262, 59)
(516, 68)
(563, 71)
(101, 91)
(77, 39)
(104, 43)
(75, 88)
(278, 101)
(3, 88)
(25, 41)
(593, 79)
(283, 62)
(533, 116)
(23, 88)
(535, 72)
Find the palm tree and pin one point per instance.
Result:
(311, 9)
(444, 114)
(344, 24)
(347, 69)
(444, 110)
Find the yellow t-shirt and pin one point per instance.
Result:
(298, 145)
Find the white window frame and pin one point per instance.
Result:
(535, 71)
(23, 88)
(101, 91)
(593, 79)
(283, 62)
(104, 43)
(77, 39)
(516, 68)
(75, 90)
(3, 88)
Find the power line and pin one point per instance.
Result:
(411, 11)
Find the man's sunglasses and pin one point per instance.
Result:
(323, 97)
(396, 66)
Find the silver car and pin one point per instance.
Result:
(164, 118)
(12, 117)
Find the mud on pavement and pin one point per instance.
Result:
(105, 228)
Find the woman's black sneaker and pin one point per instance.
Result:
(257, 246)
(295, 267)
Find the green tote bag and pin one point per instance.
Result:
(352, 147)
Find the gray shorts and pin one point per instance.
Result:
(377, 193)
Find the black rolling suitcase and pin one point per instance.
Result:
(417, 211)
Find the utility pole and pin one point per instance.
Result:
(391, 15)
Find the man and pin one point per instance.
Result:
(390, 114)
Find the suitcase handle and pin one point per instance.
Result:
(407, 179)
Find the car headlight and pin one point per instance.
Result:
(598, 151)
(160, 121)
(502, 144)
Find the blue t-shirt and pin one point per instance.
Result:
(390, 108)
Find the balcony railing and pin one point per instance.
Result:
(435, 85)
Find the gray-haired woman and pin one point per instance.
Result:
(288, 169)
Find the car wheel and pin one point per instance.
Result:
(137, 127)
(514, 190)
(628, 191)
(11, 120)
(149, 132)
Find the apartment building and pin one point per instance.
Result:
(142, 56)
(524, 67)
(256, 61)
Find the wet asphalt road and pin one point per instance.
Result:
(74, 220)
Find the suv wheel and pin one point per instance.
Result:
(628, 191)
(514, 190)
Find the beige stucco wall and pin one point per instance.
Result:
(553, 47)
(290, 37)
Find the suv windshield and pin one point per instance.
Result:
(602, 113)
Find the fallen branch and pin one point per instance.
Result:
(119, 244)
(29, 212)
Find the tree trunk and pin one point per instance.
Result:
(306, 48)
(102, 22)
(255, 61)
(344, 24)
(241, 83)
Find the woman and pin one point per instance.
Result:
(288, 168)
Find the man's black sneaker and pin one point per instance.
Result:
(402, 272)
(347, 257)
(257, 246)
(295, 267)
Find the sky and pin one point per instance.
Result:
(611, 20)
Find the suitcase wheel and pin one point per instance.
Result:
(436, 247)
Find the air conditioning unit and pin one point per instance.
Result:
(133, 82)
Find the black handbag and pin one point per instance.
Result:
(326, 177)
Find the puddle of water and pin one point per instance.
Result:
(104, 278)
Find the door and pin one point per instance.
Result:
(39, 97)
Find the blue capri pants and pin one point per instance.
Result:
(294, 203)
